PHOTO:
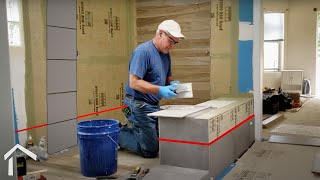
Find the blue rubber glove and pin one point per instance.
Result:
(167, 91)
(174, 82)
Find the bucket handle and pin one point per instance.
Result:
(114, 142)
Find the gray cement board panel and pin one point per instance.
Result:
(215, 158)
(193, 127)
(165, 172)
(62, 13)
(61, 43)
(61, 73)
(179, 111)
(221, 155)
(247, 174)
(258, 149)
(62, 76)
(252, 131)
(216, 103)
(62, 135)
(276, 161)
(294, 129)
(184, 155)
(299, 140)
(242, 138)
(237, 102)
(184, 129)
(61, 107)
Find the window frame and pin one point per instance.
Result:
(280, 54)
(282, 45)
(17, 22)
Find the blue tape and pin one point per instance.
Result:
(15, 118)
(246, 10)
(226, 171)
(245, 80)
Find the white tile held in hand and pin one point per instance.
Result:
(184, 90)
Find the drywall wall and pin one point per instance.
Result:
(302, 23)
(271, 79)
(275, 5)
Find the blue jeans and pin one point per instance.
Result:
(142, 137)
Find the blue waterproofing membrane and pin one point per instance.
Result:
(225, 172)
(246, 10)
(245, 81)
(15, 119)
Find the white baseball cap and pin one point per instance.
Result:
(171, 27)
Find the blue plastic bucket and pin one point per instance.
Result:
(98, 145)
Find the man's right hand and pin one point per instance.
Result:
(167, 91)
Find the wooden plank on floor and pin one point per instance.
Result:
(266, 116)
(269, 121)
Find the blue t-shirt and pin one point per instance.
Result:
(150, 65)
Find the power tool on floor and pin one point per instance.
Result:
(135, 173)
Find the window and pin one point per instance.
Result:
(13, 23)
(273, 41)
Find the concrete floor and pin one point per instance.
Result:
(66, 166)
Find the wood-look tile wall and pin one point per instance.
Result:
(191, 57)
